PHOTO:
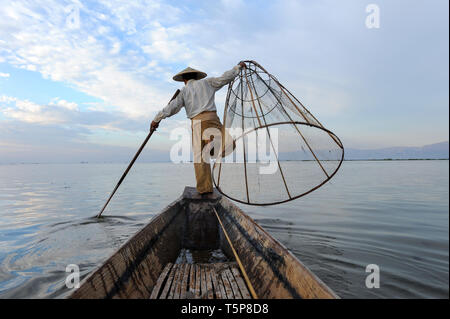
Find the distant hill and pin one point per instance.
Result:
(92, 153)
(432, 151)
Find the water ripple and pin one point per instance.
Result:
(393, 214)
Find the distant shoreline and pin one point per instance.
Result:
(397, 159)
(345, 160)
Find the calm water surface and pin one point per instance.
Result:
(391, 213)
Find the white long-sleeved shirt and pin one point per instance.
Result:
(197, 96)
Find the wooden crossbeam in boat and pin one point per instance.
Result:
(198, 276)
(200, 281)
(240, 282)
(160, 280)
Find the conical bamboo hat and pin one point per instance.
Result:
(199, 74)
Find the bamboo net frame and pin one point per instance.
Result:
(257, 103)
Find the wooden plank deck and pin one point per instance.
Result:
(201, 281)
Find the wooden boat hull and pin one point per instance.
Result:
(190, 223)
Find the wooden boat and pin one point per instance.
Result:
(156, 262)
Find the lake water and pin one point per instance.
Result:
(394, 214)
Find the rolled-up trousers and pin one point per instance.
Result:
(209, 139)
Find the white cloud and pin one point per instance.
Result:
(166, 44)
(4, 75)
(64, 104)
(87, 58)
(7, 99)
(125, 53)
(58, 112)
(30, 112)
(121, 53)
(115, 48)
(84, 123)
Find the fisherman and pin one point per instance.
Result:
(197, 97)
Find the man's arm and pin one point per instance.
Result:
(226, 78)
(172, 108)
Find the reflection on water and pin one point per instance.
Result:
(393, 214)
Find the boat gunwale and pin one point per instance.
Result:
(96, 271)
(284, 249)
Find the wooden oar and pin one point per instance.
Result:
(132, 162)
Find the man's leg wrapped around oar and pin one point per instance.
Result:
(209, 139)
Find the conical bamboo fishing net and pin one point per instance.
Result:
(282, 151)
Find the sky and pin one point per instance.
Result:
(81, 80)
